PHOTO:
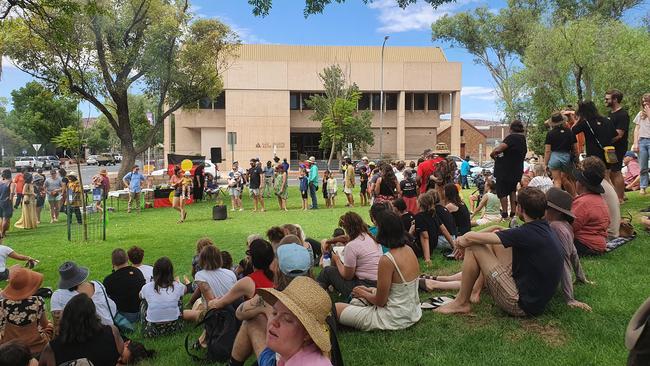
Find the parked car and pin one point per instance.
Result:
(459, 161)
(45, 163)
(54, 161)
(92, 160)
(105, 159)
(28, 163)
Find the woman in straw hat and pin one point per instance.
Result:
(22, 314)
(297, 330)
(561, 150)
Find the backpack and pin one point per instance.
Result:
(221, 327)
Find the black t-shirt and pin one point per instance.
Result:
(561, 139)
(409, 188)
(123, 286)
(536, 263)
(513, 157)
(463, 219)
(621, 121)
(447, 219)
(407, 219)
(425, 221)
(255, 177)
(604, 132)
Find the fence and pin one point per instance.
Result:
(86, 223)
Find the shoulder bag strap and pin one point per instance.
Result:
(594, 134)
(108, 304)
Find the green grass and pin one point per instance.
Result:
(562, 336)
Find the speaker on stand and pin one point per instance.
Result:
(219, 211)
(215, 155)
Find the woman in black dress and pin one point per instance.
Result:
(199, 182)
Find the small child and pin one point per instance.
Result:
(492, 206)
(235, 185)
(331, 189)
(541, 180)
(326, 175)
(363, 178)
(409, 192)
(303, 187)
(186, 184)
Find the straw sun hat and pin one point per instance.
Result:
(23, 283)
(309, 303)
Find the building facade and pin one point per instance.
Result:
(263, 103)
(473, 142)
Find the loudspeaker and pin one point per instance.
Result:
(219, 212)
(215, 155)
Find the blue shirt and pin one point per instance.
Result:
(303, 184)
(135, 181)
(464, 168)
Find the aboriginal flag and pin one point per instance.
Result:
(174, 160)
(165, 197)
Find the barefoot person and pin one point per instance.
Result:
(54, 190)
(6, 198)
(176, 182)
(522, 266)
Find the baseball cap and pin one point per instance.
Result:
(294, 260)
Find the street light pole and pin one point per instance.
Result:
(381, 103)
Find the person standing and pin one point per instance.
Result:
(269, 173)
(313, 182)
(560, 152)
(621, 121)
(281, 186)
(64, 190)
(256, 184)
(7, 188)
(54, 193)
(19, 181)
(464, 173)
(285, 165)
(348, 182)
(38, 180)
(133, 181)
(509, 158)
(598, 131)
(176, 182)
(28, 215)
(642, 141)
(198, 182)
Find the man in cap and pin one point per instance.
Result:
(312, 180)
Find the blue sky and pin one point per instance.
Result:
(350, 23)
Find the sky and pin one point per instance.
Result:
(352, 23)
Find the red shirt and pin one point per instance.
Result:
(592, 220)
(19, 180)
(260, 279)
(425, 169)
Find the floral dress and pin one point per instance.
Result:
(20, 320)
(281, 189)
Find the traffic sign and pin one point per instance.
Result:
(36, 147)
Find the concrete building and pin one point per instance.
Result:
(473, 142)
(265, 89)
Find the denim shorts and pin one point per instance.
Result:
(559, 161)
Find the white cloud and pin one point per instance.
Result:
(418, 16)
(487, 115)
(7, 64)
(479, 92)
(246, 35)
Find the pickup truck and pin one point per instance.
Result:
(105, 159)
(28, 163)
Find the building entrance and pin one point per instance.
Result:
(304, 145)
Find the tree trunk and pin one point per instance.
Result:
(125, 135)
(329, 161)
(83, 201)
(578, 76)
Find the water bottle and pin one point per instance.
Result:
(327, 261)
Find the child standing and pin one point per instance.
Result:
(331, 189)
(363, 179)
(235, 185)
(409, 192)
(326, 176)
(303, 187)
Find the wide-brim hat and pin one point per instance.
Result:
(441, 149)
(592, 181)
(561, 201)
(309, 303)
(72, 173)
(365, 158)
(23, 283)
(71, 275)
(557, 119)
(637, 325)
(312, 159)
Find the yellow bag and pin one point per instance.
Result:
(610, 155)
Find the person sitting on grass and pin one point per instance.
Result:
(261, 256)
(7, 252)
(522, 266)
(83, 336)
(632, 177)
(359, 265)
(492, 206)
(559, 217)
(458, 209)
(541, 179)
(136, 255)
(428, 227)
(447, 219)
(590, 209)
(134, 352)
(293, 260)
(15, 353)
(123, 286)
(394, 304)
(162, 301)
(408, 220)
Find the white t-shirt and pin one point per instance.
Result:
(4, 253)
(147, 272)
(220, 280)
(644, 125)
(162, 306)
(61, 297)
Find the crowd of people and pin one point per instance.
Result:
(288, 288)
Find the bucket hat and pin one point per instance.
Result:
(591, 180)
(560, 200)
(71, 275)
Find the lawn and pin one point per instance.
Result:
(562, 336)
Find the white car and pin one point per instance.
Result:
(28, 163)
(92, 160)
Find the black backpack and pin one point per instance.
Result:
(221, 327)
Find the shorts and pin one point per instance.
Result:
(503, 289)
(508, 184)
(347, 190)
(6, 210)
(254, 191)
(40, 201)
(303, 194)
(234, 192)
(444, 244)
(488, 219)
(51, 198)
(4, 275)
(560, 161)
(331, 195)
